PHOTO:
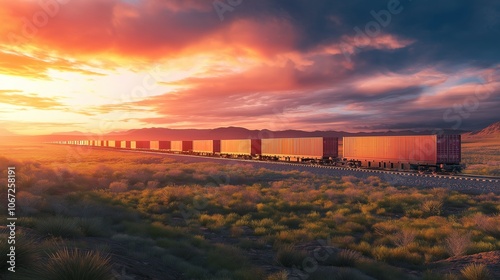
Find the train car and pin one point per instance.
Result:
(421, 152)
(241, 147)
(112, 143)
(323, 149)
(181, 146)
(132, 145)
(123, 144)
(206, 147)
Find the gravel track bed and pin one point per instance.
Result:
(458, 183)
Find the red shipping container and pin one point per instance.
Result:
(164, 145)
(142, 144)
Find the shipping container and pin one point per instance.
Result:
(112, 143)
(142, 144)
(400, 152)
(128, 144)
(123, 144)
(154, 145)
(133, 145)
(181, 146)
(294, 149)
(245, 147)
(164, 145)
(206, 146)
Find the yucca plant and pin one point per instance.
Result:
(76, 265)
(475, 272)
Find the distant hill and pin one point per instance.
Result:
(492, 130)
(73, 133)
(158, 133)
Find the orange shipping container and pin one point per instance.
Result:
(241, 147)
(418, 149)
(154, 145)
(206, 146)
(309, 147)
(181, 146)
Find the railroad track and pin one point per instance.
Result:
(458, 177)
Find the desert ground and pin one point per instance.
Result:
(104, 214)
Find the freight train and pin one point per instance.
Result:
(434, 153)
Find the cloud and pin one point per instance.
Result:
(16, 64)
(12, 97)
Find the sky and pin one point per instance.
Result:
(98, 66)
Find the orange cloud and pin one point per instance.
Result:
(12, 97)
(23, 65)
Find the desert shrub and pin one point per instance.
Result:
(27, 252)
(77, 265)
(118, 186)
(432, 207)
(478, 247)
(59, 227)
(380, 271)
(282, 275)
(288, 256)
(347, 257)
(404, 238)
(475, 272)
(457, 243)
(396, 255)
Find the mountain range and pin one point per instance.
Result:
(157, 133)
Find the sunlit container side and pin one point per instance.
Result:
(245, 147)
(154, 145)
(133, 145)
(294, 149)
(164, 145)
(401, 151)
(206, 146)
(123, 144)
(112, 143)
(142, 145)
(181, 146)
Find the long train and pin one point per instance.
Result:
(436, 153)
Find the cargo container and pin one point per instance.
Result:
(181, 146)
(123, 144)
(242, 147)
(133, 145)
(404, 152)
(206, 146)
(299, 149)
(164, 145)
(128, 144)
(154, 145)
(112, 143)
(142, 144)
